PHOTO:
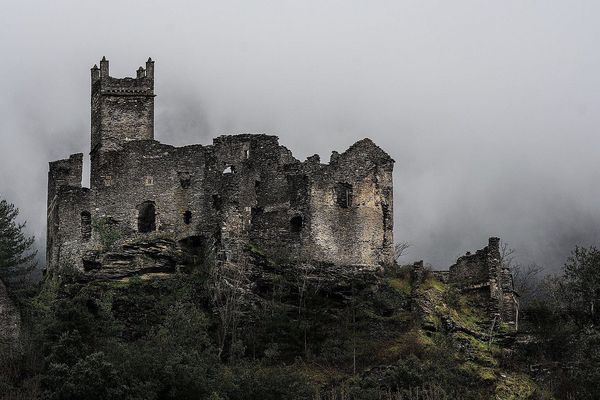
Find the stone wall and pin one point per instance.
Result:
(350, 207)
(478, 268)
(243, 190)
(483, 273)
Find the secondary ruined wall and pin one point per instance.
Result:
(482, 273)
(478, 268)
(66, 200)
(243, 190)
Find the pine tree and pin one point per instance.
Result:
(17, 256)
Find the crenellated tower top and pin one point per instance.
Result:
(122, 110)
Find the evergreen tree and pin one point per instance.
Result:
(581, 284)
(16, 254)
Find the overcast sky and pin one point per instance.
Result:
(490, 108)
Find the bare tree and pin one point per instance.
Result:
(400, 249)
(307, 288)
(227, 285)
(526, 278)
(507, 255)
(527, 282)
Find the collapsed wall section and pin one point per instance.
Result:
(483, 275)
(66, 199)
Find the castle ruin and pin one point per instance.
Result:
(484, 276)
(148, 200)
(243, 190)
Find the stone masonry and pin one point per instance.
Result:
(483, 275)
(242, 190)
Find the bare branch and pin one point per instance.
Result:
(400, 249)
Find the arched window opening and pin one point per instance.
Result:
(296, 224)
(146, 217)
(344, 195)
(187, 217)
(86, 225)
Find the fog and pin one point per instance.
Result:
(490, 109)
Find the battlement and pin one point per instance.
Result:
(142, 84)
(103, 74)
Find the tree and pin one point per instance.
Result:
(400, 249)
(581, 283)
(507, 255)
(16, 253)
(227, 286)
(527, 282)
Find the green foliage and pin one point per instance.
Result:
(107, 230)
(452, 297)
(581, 285)
(515, 387)
(91, 377)
(296, 337)
(566, 326)
(16, 253)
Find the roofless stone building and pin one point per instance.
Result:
(242, 190)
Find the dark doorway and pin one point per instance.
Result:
(344, 195)
(195, 250)
(146, 217)
(296, 224)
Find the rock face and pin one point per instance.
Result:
(143, 257)
(240, 190)
(10, 320)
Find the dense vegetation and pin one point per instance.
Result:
(16, 254)
(272, 331)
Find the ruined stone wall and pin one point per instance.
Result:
(243, 190)
(351, 208)
(509, 307)
(475, 269)
(482, 274)
(66, 199)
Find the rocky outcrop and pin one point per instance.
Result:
(141, 257)
(10, 320)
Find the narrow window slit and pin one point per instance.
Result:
(187, 217)
(86, 225)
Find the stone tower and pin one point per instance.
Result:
(122, 111)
